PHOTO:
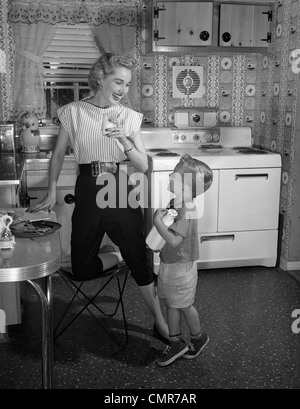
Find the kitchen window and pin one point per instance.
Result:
(67, 62)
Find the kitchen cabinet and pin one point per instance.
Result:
(245, 25)
(183, 23)
(210, 26)
(37, 173)
(238, 249)
(247, 220)
(63, 209)
(10, 180)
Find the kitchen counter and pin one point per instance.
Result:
(12, 168)
(42, 161)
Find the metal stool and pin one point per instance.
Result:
(76, 286)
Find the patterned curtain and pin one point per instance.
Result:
(31, 41)
(6, 64)
(34, 24)
(114, 12)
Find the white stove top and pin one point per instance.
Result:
(228, 148)
(222, 159)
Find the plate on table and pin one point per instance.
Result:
(32, 229)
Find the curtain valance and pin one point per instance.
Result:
(96, 12)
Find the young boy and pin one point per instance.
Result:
(177, 277)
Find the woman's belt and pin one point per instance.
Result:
(96, 168)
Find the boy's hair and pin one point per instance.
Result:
(105, 66)
(201, 174)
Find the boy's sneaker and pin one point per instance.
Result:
(197, 346)
(172, 352)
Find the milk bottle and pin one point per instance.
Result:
(154, 240)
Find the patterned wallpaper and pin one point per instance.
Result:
(284, 134)
(230, 87)
(6, 63)
(256, 90)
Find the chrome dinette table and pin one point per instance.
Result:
(36, 259)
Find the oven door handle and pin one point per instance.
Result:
(215, 238)
(252, 175)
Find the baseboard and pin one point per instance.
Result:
(289, 265)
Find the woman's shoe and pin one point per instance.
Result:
(157, 335)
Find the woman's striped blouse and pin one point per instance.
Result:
(83, 121)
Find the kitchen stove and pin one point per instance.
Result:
(227, 151)
(238, 215)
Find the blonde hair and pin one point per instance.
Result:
(199, 171)
(105, 66)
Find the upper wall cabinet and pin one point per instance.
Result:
(196, 25)
(178, 23)
(245, 25)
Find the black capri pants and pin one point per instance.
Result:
(121, 222)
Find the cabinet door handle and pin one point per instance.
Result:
(226, 37)
(253, 175)
(28, 199)
(215, 238)
(156, 36)
(69, 199)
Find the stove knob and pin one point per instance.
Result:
(69, 199)
(176, 138)
(208, 137)
(216, 137)
(183, 138)
(196, 137)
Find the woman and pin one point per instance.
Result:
(98, 152)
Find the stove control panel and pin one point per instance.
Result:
(196, 136)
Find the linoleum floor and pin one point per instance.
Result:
(247, 313)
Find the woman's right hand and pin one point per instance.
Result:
(46, 204)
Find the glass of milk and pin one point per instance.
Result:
(108, 122)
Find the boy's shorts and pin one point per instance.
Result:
(177, 283)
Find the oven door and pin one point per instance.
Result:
(249, 199)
